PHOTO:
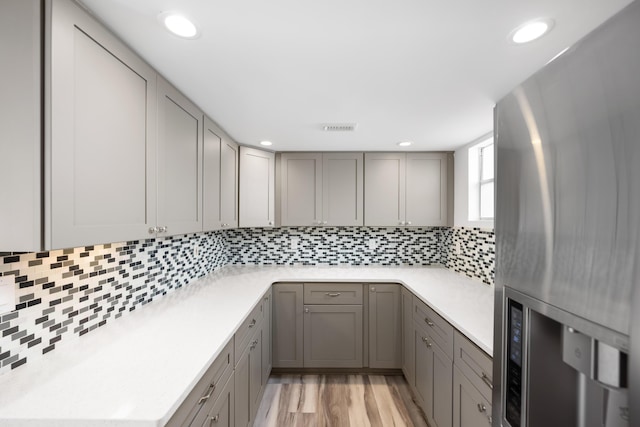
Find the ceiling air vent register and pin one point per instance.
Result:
(339, 127)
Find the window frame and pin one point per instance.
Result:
(481, 147)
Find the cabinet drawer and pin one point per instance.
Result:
(208, 389)
(474, 363)
(244, 333)
(333, 293)
(438, 329)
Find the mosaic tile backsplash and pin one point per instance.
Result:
(64, 294)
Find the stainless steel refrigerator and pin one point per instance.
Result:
(567, 337)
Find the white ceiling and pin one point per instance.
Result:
(420, 70)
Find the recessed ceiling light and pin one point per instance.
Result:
(266, 143)
(179, 25)
(405, 143)
(530, 31)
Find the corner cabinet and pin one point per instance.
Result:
(288, 307)
(220, 179)
(100, 143)
(321, 189)
(257, 188)
(406, 189)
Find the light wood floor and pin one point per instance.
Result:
(338, 401)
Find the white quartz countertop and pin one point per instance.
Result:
(137, 370)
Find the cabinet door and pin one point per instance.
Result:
(266, 339)
(426, 189)
(179, 162)
(342, 189)
(242, 406)
(301, 189)
(287, 342)
(222, 413)
(333, 336)
(255, 374)
(385, 326)
(100, 149)
(442, 373)
(20, 122)
(211, 176)
(384, 189)
(424, 372)
(408, 356)
(470, 408)
(228, 184)
(257, 188)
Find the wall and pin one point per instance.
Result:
(64, 294)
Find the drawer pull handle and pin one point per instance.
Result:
(254, 344)
(481, 407)
(253, 323)
(335, 294)
(426, 340)
(487, 381)
(428, 321)
(203, 399)
(490, 418)
(214, 419)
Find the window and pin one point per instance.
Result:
(481, 194)
(486, 181)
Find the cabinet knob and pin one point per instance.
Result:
(270, 222)
(426, 341)
(481, 407)
(253, 323)
(306, 310)
(408, 222)
(223, 225)
(215, 419)
(153, 230)
(401, 223)
(373, 289)
(162, 229)
(324, 222)
(428, 322)
(253, 344)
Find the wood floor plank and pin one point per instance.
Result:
(357, 408)
(310, 394)
(338, 401)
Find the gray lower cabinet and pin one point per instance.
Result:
(385, 326)
(470, 407)
(434, 370)
(248, 382)
(287, 343)
(408, 347)
(222, 413)
(333, 336)
(212, 387)
(267, 326)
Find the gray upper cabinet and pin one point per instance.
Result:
(20, 122)
(406, 189)
(179, 162)
(220, 179)
(257, 188)
(228, 183)
(100, 138)
(321, 189)
(385, 326)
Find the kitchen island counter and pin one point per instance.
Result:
(137, 370)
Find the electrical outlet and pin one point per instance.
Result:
(196, 251)
(7, 294)
(373, 244)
